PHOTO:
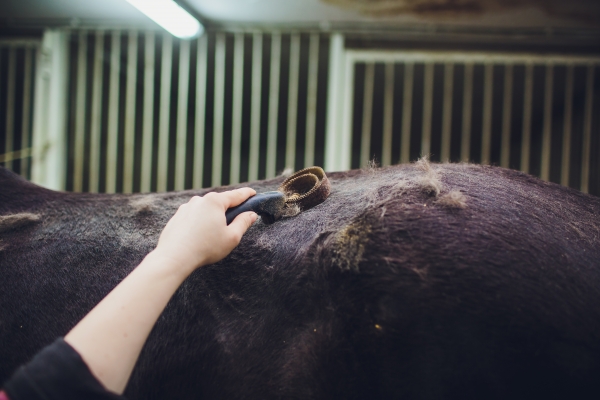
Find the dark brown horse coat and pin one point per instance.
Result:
(418, 281)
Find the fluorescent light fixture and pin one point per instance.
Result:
(170, 16)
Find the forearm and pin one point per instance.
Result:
(111, 336)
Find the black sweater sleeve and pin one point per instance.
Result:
(57, 373)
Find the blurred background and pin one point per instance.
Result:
(96, 97)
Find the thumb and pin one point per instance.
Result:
(242, 222)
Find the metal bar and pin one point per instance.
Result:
(201, 66)
(311, 100)
(292, 116)
(365, 143)
(427, 110)
(466, 57)
(130, 109)
(465, 145)
(48, 167)
(406, 112)
(337, 99)
(238, 93)
(273, 104)
(148, 116)
(344, 137)
(388, 115)
(219, 99)
(255, 106)
(568, 118)
(547, 130)
(182, 114)
(447, 113)
(26, 120)
(527, 110)
(10, 104)
(506, 116)
(113, 113)
(96, 122)
(41, 91)
(80, 112)
(164, 113)
(587, 130)
(486, 137)
(1, 82)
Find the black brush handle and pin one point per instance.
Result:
(255, 203)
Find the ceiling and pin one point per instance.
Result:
(502, 13)
(488, 13)
(69, 8)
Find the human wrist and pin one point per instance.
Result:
(169, 263)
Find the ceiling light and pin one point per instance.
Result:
(170, 16)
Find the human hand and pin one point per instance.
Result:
(198, 234)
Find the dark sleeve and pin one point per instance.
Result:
(56, 373)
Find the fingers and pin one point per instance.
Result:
(241, 223)
(238, 196)
(231, 198)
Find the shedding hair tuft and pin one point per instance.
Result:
(143, 205)
(286, 173)
(291, 211)
(350, 244)
(371, 166)
(15, 221)
(430, 182)
(423, 164)
(453, 199)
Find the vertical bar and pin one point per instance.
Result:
(96, 122)
(568, 118)
(238, 93)
(290, 142)
(148, 117)
(255, 107)
(344, 137)
(26, 124)
(48, 167)
(311, 100)
(407, 112)
(1, 82)
(547, 130)
(273, 104)
(388, 115)
(217, 150)
(338, 116)
(164, 112)
(201, 66)
(182, 114)
(130, 104)
(113, 112)
(41, 92)
(506, 116)
(365, 144)
(527, 110)
(486, 137)
(10, 105)
(427, 110)
(80, 112)
(465, 145)
(447, 113)
(587, 130)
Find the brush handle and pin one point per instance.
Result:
(254, 203)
